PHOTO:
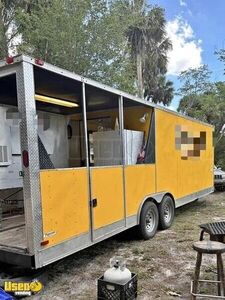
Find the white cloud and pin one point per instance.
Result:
(183, 3)
(186, 52)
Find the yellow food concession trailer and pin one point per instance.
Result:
(89, 161)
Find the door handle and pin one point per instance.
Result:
(94, 202)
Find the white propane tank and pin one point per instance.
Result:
(117, 273)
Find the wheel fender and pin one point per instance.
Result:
(157, 198)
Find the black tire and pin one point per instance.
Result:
(149, 220)
(166, 212)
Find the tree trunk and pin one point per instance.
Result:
(3, 38)
(140, 76)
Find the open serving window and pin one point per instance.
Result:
(12, 219)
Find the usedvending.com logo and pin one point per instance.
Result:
(23, 288)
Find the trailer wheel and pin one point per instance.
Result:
(149, 221)
(166, 212)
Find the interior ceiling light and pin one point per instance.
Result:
(55, 101)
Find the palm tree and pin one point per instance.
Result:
(162, 93)
(149, 46)
(136, 37)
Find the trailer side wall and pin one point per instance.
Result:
(184, 158)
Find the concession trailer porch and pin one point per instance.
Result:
(86, 161)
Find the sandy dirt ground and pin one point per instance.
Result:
(164, 264)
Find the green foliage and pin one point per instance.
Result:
(205, 107)
(220, 154)
(96, 38)
(195, 81)
(81, 36)
(221, 55)
(162, 92)
(6, 17)
(9, 34)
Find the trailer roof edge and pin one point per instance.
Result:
(49, 67)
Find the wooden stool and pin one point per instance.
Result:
(209, 247)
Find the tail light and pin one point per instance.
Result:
(39, 62)
(9, 60)
(44, 243)
(25, 158)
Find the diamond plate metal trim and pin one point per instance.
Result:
(29, 142)
(44, 159)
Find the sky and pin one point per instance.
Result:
(196, 29)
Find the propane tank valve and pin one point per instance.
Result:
(117, 273)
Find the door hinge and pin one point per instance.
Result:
(93, 202)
